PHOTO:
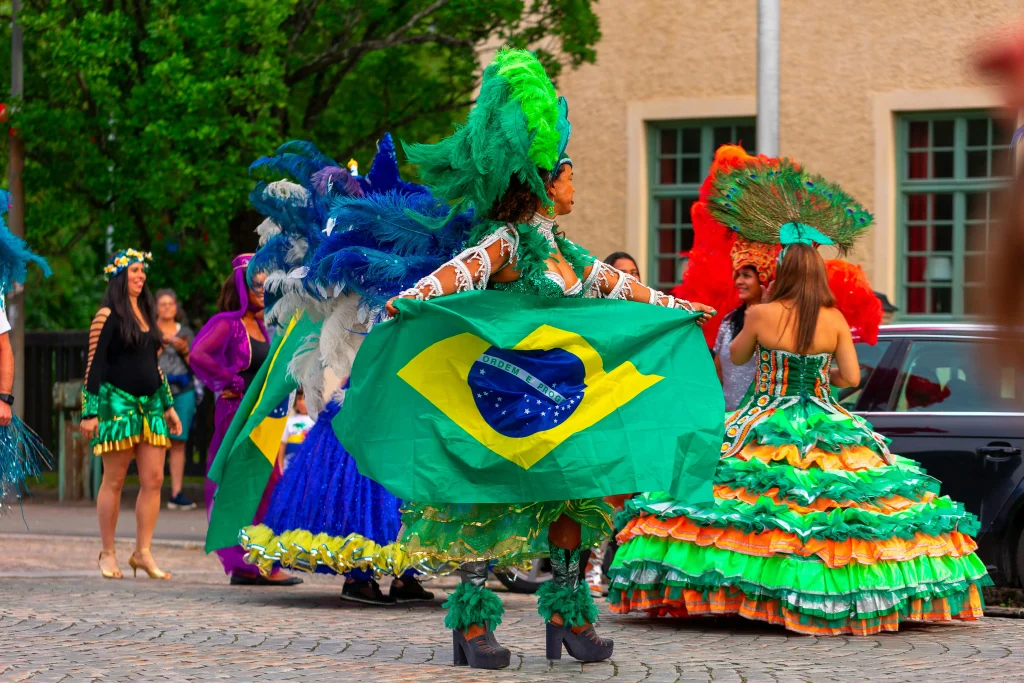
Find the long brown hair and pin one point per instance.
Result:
(801, 278)
(228, 299)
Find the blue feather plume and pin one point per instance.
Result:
(14, 253)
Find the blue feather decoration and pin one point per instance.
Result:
(22, 456)
(14, 253)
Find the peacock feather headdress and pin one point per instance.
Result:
(775, 202)
(518, 127)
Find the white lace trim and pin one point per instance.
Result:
(546, 227)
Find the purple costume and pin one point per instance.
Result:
(220, 353)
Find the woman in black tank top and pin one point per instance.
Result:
(127, 409)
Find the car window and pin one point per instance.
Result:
(947, 377)
(868, 356)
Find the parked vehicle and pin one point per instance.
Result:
(926, 388)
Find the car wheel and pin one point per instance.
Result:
(519, 580)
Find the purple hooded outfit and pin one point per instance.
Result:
(221, 353)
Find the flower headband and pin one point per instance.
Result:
(123, 259)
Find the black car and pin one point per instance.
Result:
(927, 388)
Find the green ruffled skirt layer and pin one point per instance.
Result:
(809, 529)
(444, 535)
(126, 420)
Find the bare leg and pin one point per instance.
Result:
(108, 503)
(150, 461)
(177, 466)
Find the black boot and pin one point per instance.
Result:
(471, 604)
(567, 599)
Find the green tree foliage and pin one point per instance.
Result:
(141, 116)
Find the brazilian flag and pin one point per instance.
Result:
(495, 397)
(248, 454)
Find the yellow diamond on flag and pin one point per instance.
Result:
(441, 374)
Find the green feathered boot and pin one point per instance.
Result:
(566, 599)
(473, 604)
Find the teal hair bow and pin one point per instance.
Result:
(800, 233)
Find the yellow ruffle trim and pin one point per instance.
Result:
(129, 442)
(304, 551)
(850, 458)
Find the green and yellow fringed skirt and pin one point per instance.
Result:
(446, 535)
(810, 529)
(305, 551)
(126, 420)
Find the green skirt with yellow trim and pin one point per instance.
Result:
(126, 420)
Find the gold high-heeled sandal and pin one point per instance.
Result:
(115, 574)
(154, 573)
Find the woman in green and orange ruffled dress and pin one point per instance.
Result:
(815, 525)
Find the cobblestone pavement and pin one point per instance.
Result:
(59, 621)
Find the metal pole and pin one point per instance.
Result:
(768, 77)
(16, 217)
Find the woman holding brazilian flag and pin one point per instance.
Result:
(528, 407)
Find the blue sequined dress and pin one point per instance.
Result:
(325, 516)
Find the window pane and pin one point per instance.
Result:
(974, 300)
(977, 204)
(668, 141)
(1002, 133)
(917, 238)
(942, 300)
(917, 165)
(691, 171)
(869, 357)
(918, 134)
(667, 211)
(691, 140)
(915, 300)
(977, 237)
(977, 132)
(667, 241)
(667, 174)
(974, 268)
(945, 376)
(977, 164)
(942, 133)
(747, 136)
(685, 240)
(722, 136)
(940, 269)
(915, 268)
(942, 164)
(686, 205)
(942, 238)
(667, 270)
(942, 206)
(917, 207)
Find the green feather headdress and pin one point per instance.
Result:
(761, 199)
(519, 126)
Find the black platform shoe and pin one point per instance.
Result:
(410, 591)
(482, 652)
(586, 646)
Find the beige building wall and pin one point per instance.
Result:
(847, 68)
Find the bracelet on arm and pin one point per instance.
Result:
(90, 404)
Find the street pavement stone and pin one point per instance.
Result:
(72, 626)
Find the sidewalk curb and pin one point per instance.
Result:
(166, 543)
(1005, 612)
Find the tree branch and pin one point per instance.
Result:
(336, 53)
(390, 125)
